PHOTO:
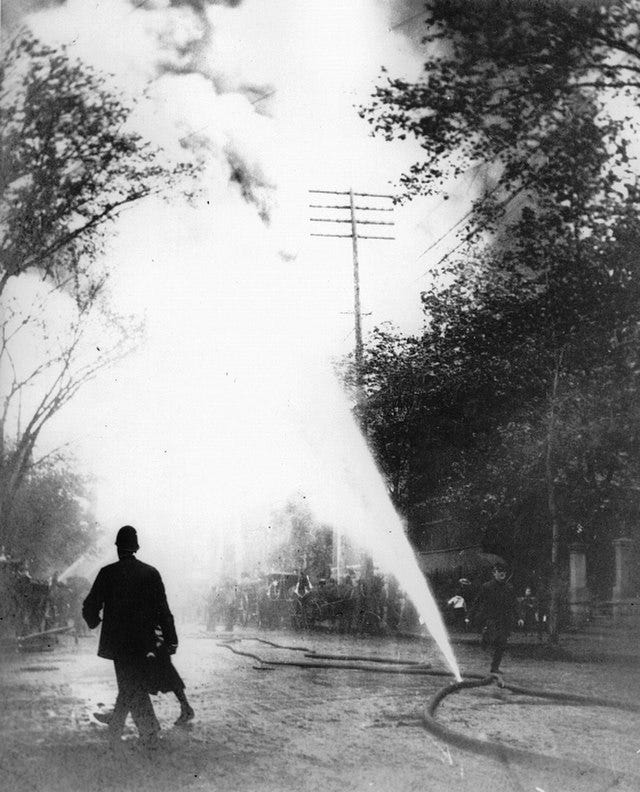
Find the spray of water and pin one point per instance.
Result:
(348, 491)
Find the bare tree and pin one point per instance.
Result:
(68, 165)
(46, 356)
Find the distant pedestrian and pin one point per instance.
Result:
(303, 584)
(230, 604)
(458, 606)
(131, 597)
(528, 611)
(542, 613)
(495, 612)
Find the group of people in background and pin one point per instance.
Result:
(531, 615)
(35, 606)
(495, 611)
(371, 603)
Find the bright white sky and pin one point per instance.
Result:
(209, 423)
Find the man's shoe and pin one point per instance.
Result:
(185, 716)
(103, 717)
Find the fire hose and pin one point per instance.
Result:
(503, 752)
(54, 631)
(320, 663)
(496, 750)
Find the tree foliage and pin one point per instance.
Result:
(466, 416)
(69, 163)
(52, 522)
(501, 80)
(304, 543)
(517, 406)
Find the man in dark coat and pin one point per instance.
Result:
(495, 612)
(132, 599)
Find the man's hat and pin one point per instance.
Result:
(127, 539)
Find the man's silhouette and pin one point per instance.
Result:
(133, 602)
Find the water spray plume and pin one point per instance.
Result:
(348, 491)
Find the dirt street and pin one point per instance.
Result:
(278, 728)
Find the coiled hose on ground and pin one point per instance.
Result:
(496, 750)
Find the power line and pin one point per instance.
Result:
(264, 96)
(479, 227)
(446, 233)
(206, 126)
(476, 169)
(407, 19)
(136, 6)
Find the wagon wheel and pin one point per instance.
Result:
(313, 611)
(296, 614)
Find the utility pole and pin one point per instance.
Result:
(353, 221)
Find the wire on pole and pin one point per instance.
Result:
(375, 195)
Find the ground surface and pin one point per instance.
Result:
(306, 729)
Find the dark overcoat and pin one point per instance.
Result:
(496, 607)
(133, 602)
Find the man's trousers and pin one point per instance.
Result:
(133, 698)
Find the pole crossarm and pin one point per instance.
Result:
(350, 236)
(360, 222)
(330, 192)
(343, 236)
(346, 206)
(348, 192)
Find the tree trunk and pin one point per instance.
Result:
(12, 473)
(554, 603)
